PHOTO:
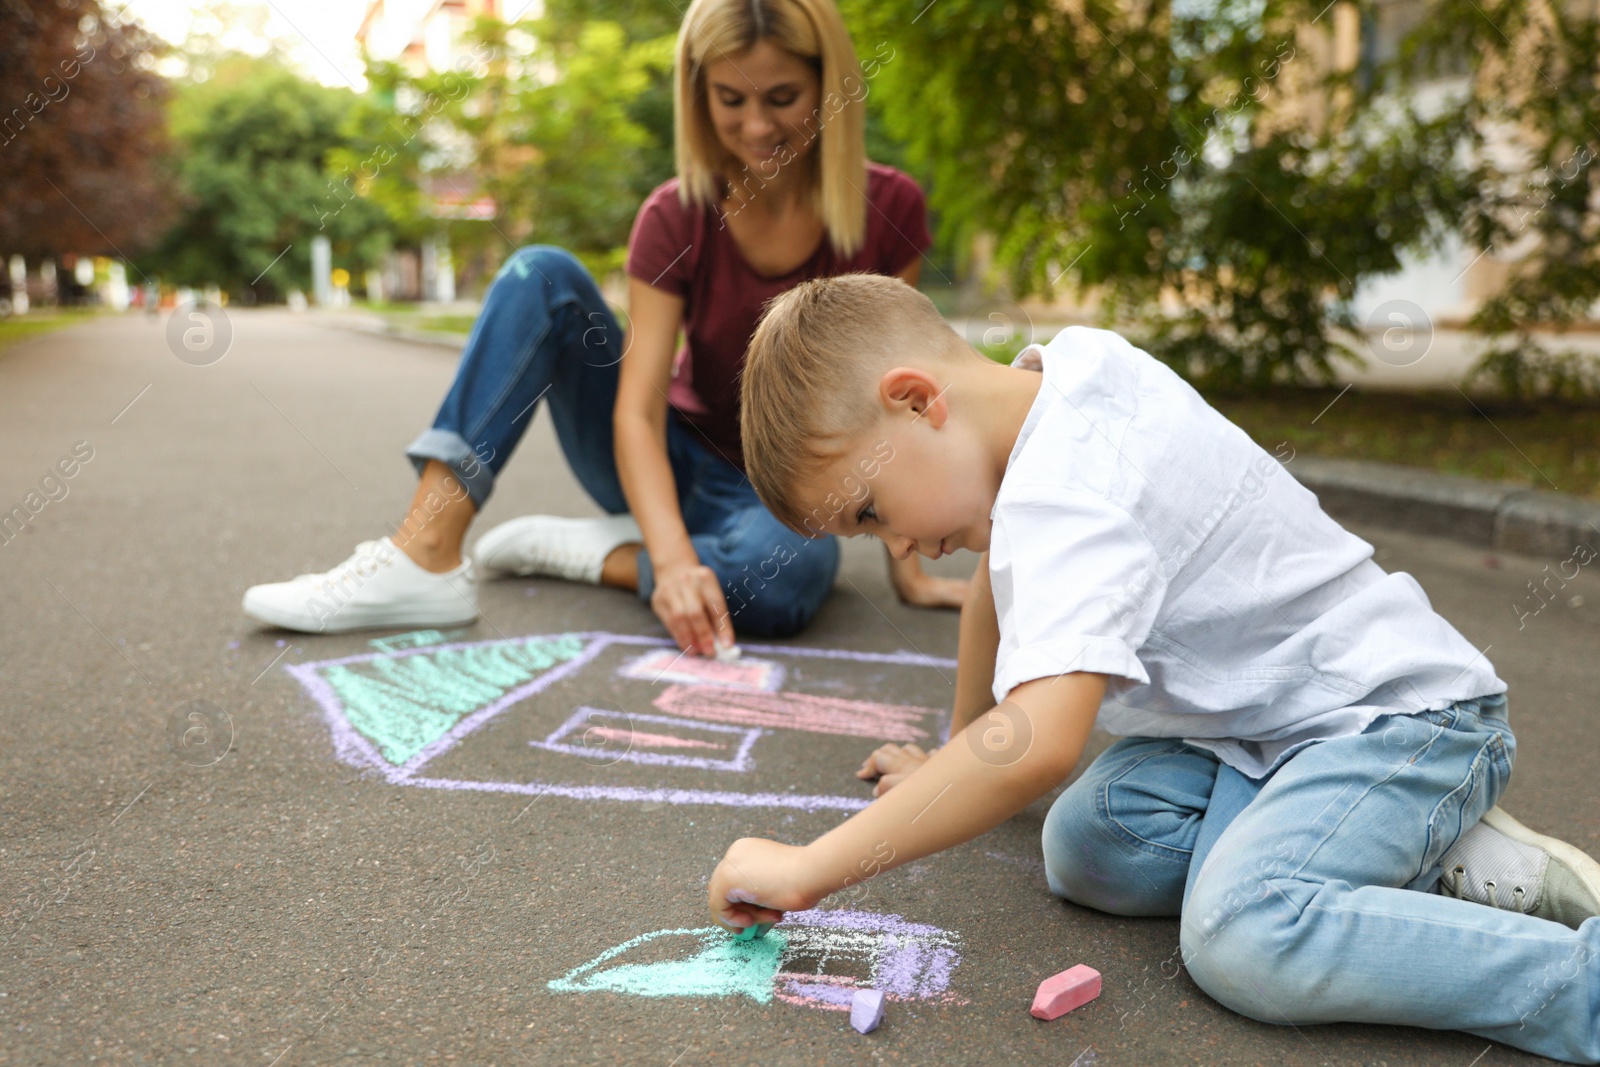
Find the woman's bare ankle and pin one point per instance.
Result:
(429, 553)
(621, 568)
(436, 525)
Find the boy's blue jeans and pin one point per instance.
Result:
(545, 333)
(1304, 897)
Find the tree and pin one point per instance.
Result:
(1152, 154)
(387, 149)
(548, 130)
(83, 128)
(1527, 149)
(254, 143)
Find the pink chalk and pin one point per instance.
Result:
(866, 1010)
(795, 711)
(1060, 993)
(628, 737)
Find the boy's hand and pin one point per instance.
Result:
(757, 881)
(890, 765)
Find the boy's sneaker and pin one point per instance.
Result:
(574, 549)
(379, 585)
(1504, 864)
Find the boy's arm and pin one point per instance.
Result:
(978, 644)
(988, 772)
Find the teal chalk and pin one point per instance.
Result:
(403, 704)
(750, 933)
(706, 963)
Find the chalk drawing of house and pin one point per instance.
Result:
(813, 959)
(689, 730)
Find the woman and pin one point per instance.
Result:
(773, 189)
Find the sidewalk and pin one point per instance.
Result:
(231, 844)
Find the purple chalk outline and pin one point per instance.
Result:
(739, 761)
(350, 747)
(909, 961)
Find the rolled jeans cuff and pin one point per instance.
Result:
(451, 449)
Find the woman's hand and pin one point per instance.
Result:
(921, 590)
(687, 597)
(890, 765)
(757, 881)
(689, 601)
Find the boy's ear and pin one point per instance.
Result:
(913, 390)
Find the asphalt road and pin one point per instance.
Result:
(292, 886)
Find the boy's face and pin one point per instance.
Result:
(919, 481)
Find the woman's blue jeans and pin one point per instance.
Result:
(1305, 897)
(546, 334)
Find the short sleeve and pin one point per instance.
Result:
(660, 249)
(1077, 586)
(904, 213)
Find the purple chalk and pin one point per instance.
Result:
(866, 1010)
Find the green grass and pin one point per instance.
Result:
(16, 328)
(1550, 446)
(446, 323)
(413, 317)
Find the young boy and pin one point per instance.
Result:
(1307, 748)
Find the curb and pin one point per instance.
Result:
(379, 327)
(1499, 516)
(1494, 515)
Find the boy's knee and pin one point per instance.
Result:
(1071, 865)
(1088, 866)
(1236, 943)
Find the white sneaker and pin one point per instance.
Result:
(1504, 864)
(574, 549)
(379, 585)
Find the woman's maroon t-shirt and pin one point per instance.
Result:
(690, 253)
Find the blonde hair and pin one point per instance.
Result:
(810, 383)
(807, 29)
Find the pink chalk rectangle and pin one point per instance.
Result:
(681, 668)
(602, 738)
(797, 711)
(1060, 993)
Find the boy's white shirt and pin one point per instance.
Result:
(1139, 534)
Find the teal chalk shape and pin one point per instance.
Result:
(752, 932)
(405, 703)
(714, 965)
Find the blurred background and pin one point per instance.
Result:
(1391, 205)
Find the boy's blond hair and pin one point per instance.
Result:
(810, 382)
(810, 30)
